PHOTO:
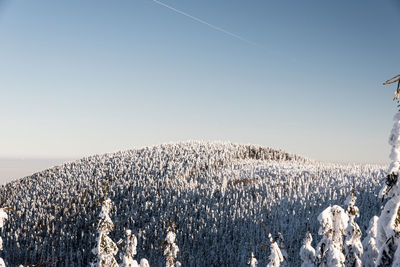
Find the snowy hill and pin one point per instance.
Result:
(216, 192)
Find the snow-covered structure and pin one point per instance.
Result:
(171, 250)
(307, 252)
(333, 221)
(352, 246)
(371, 252)
(105, 249)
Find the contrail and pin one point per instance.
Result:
(206, 23)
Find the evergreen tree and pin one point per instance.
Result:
(3, 218)
(352, 245)
(280, 241)
(144, 263)
(276, 257)
(369, 243)
(307, 252)
(252, 261)
(105, 249)
(130, 250)
(171, 250)
(388, 233)
(333, 221)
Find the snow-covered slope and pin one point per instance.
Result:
(216, 194)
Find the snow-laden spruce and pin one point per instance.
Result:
(281, 243)
(58, 207)
(130, 252)
(387, 239)
(388, 234)
(276, 257)
(352, 245)
(105, 249)
(3, 218)
(333, 221)
(253, 260)
(171, 250)
(369, 244)
(307, 252)
(392, 186)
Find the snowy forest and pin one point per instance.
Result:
(228, 205)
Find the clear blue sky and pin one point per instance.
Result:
(86, 77)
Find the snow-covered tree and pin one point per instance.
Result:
(3, 218)
(130, 250)
(144, 263)
(333, 223)
(171, 250)
(388, 234)
(369, 244)
(186, 176)
(105, 249)
(307, 252)
(391, 187)
(352, 245)
(280, 241)
(276, 257)
(252, 261)
(387, 239)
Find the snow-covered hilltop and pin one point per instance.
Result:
(216, 194)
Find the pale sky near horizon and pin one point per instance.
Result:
(88, 77)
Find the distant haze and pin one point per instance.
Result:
(12, 168)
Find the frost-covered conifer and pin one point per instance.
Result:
(252, 261)
(369, 243)
(333, 221)
(280, 241)
(130, 250)
(352, 245)
(307, 252)
(388, 234)
(387, 239)
(105, 249)
(144, 263)
(276, 257)
(171, 250)
(3, 218)
(392, 186)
